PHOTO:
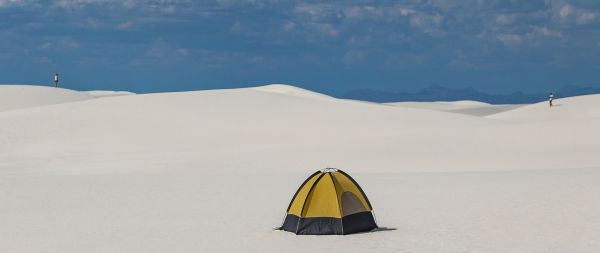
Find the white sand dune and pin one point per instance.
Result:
(442, 105)
(566, 109)
(486, 110)
(108, 93)
(24, 96)
(468, 107)
(213, 171)
(278, 129)
(290, 90)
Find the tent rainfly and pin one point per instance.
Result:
(329, 202)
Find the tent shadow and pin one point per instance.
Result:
(379, 229)
(383, 229)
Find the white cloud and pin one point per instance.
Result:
(163, 6)
(426, 21)
(73, 4)
(565, 11)
(236, 27)
(404, 11)
(535, 37)
(585, 18)
(318, 12)
(170, 9)
(28, 4)
(353, 13)
(576, 15)
(357, 25)
(125, 25)
(327, 29)
(289, 26)
(314, 11)
(547, 32)
(429, 24)
(45, 46)
(386, 13)
(182, 51)
(59, 44)
(240, 28)
(358, 13)
(360, 41)
(9, 3)
(505, 19)
(510, 39)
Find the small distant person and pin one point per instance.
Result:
(550, 98)
(56, 80)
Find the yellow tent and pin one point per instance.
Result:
(329, 202)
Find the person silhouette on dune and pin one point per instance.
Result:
(550, 98)
(56, 80)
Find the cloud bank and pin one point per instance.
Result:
(393, 44)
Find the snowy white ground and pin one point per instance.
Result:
(213, 171)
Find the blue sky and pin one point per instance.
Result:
(327, 46)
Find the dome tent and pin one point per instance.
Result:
(329, 202)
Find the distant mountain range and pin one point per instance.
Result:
(439, 93)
